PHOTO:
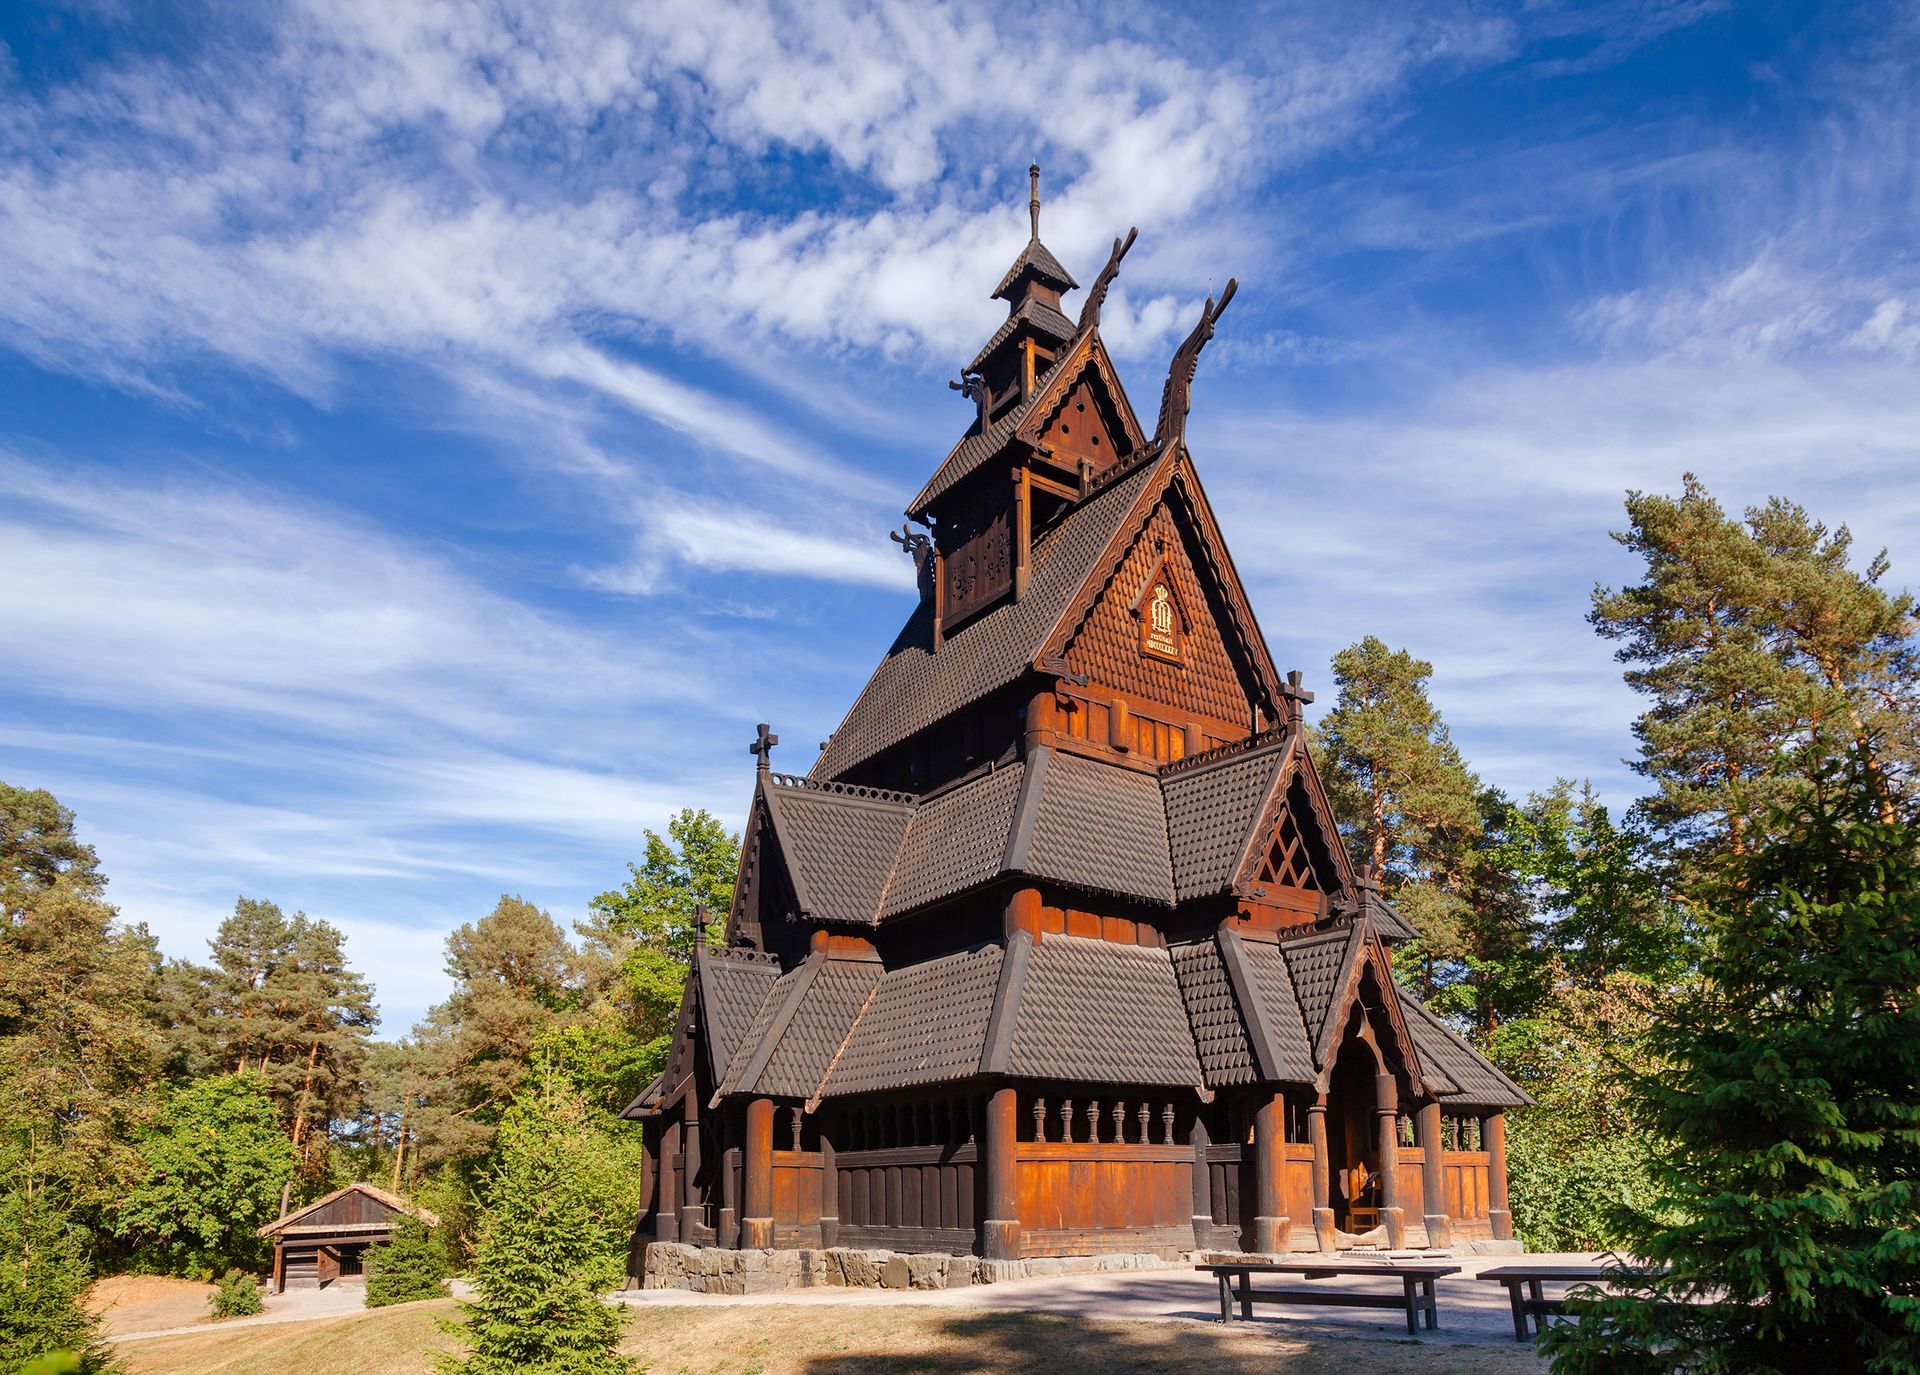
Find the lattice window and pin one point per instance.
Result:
(1288, 861)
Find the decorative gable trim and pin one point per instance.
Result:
(1365, 950)
(1087, 353)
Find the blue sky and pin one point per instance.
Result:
(432, 435)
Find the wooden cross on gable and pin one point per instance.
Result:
(762, 747)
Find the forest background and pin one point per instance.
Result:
(154, 1112)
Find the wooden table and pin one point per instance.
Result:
(1533, 1304)
(1416, 1277)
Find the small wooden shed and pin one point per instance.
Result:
(327, 1240)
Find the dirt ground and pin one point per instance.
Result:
(796, 1340)
(145, 1303)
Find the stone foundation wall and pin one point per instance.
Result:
(713, 1270)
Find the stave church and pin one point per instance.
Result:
(1056, 950)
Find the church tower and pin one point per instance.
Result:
(1056, 949)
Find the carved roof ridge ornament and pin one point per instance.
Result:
(1176, 398)
(802, 783)
(1097, 293)
(1220, 754)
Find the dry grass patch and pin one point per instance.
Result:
(832, 1340)
(147, 1303)
(822, 1339)
(395, 1341)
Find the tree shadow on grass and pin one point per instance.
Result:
(1059, 1344)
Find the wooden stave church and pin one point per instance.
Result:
(1055, 950)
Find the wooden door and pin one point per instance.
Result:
(327, 1265)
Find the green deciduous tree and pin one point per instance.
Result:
(212, 1173)
(693, 865)
(1787, 1096)
(558, 1205)
(79, 1009)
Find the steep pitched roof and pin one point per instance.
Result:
(1043, 319)
(914, 686)
(801, 1027)
(1096, 827)
(1276, 1028)
(925, 1024)
(956, 841)
(1036, 259)
(1214, 808)
(1110, 1013)
(1465, 1075)
(839, 842)
(1219, 1033)
(733, 986)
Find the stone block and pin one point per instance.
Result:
(1047, 1265)
(858, 1270)
(894, 1273)
(927, 1271)
(1000, 1271)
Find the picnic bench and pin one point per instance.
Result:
(1416, 1277)
(1533, 1304)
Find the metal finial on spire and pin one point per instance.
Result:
(1033, 200)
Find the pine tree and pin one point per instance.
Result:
(1413, 810)
(1788, 1102)
(1750, 637)
(412, 1265)
(515, 975)
(551, 1241)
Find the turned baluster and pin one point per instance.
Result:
(796, 1129)
(1093, 1122)
(1066, 1119)
(1166, 1125)
(1040, 1119)
(1120, 1123)
(1145, 1116)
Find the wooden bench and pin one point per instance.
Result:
(1416, 1277)
(1533, 1304)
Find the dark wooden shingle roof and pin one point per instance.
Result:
(839, 843)
(1219, 1034)
(1212, 809)
(925, 1024)
(1108, 1013)
(914, 686)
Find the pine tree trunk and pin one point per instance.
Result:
(306, 1091)
(400, 1149)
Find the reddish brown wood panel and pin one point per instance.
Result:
(1465, 1173)
(1413, 1200)
(1080, 429)
(1296, 1181)
(796, 1188)
(1079, 1187)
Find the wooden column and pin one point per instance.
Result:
(665, 1225)
(1386, 1108)
(1493, 1138)
(1000, 1238)
(756, 1227)
(829, 1191)
(279, 1283)
(1269, 1136)
(1322, 1174)
(728, 1229)
(1433, 1186)
(1202, 1184)
(691, 1213)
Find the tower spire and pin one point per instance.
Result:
(1033, 198)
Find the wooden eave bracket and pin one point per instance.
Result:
(997, 1052)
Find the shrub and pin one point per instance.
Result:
(237, 1296)
(411, 1266)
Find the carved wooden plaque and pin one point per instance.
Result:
(980, 571)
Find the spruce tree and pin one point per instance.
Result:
(1788, 1107)
(44, 1274)
(552, 1240)
(412, 1265)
